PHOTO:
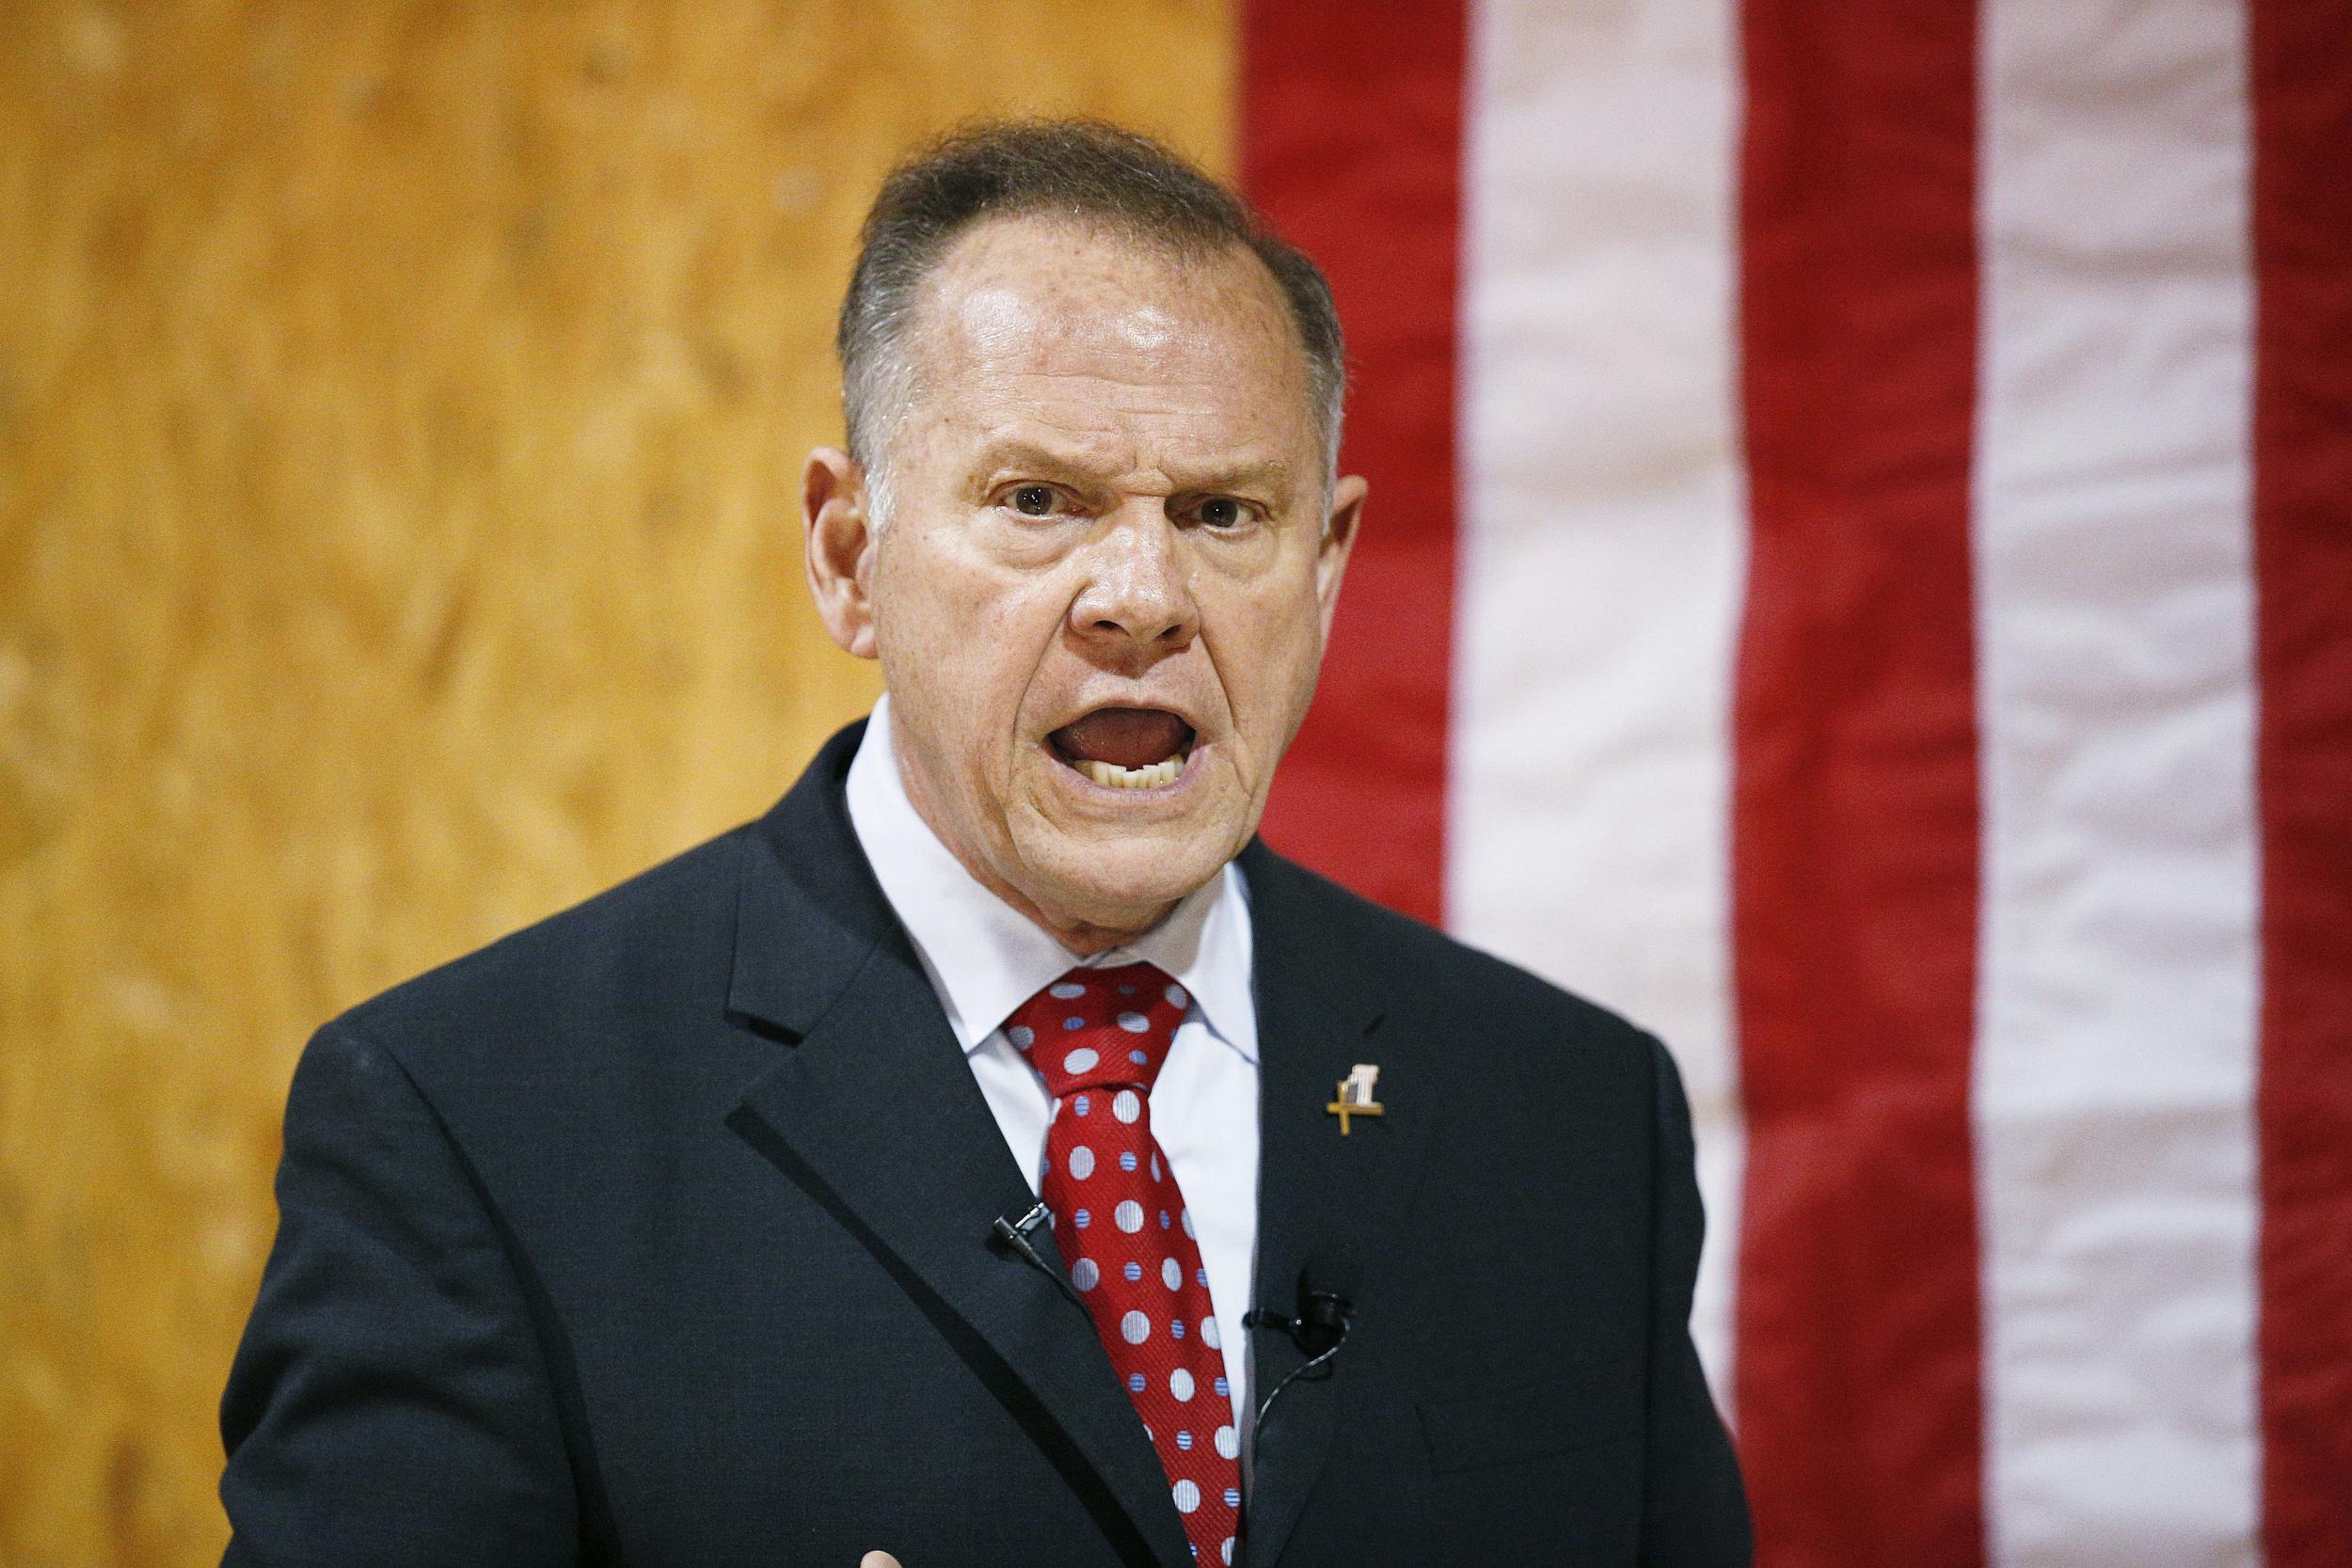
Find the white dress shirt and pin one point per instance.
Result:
(984, 959)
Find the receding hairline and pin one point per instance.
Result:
(1197, 258)
(1094, 176)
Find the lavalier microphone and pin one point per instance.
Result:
(1318, 1328)
(1015, 1235)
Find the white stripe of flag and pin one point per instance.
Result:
(2116, 1030)
(1603, 536)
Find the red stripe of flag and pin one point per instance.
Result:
(1351, 139)
(1855, 811)
(2301, 77)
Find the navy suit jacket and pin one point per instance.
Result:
(659, 1233)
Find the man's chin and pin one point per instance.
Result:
(1120, 882)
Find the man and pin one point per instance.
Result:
(702, 1224)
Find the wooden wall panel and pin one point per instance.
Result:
(400, 411)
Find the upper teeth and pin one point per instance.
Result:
(1110, 774)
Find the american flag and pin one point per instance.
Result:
(1859, 578)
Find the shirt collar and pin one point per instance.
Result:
(984, 958)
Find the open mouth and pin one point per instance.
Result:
(1126, 748)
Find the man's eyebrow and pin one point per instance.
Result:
(1248, 472)
(1243, 473)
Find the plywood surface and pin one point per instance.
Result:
(401, 407)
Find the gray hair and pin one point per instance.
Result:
(1086, 170)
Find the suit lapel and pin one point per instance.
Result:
(874, 1113)
(1324, 1200)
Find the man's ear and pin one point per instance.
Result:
(1339, 538)
(839, 535)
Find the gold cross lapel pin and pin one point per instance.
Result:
(1355, 1096)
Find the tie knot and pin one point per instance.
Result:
(1094, 1028)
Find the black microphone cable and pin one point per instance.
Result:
(1322, 1314)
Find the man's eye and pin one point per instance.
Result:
(1221, 511)
(1034, 500)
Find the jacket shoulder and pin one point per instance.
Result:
(664, 931)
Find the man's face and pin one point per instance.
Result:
(1101, 595)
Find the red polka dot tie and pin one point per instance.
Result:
(1099, 1036)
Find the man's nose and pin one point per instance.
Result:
(1136, 595)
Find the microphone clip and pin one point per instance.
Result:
(1013, 1235)
(1319, 1326)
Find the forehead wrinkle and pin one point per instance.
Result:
(1023, 451)
(1105, 346)
(1069, 413)
(1125, 296)
(1115, 461)
(1089, 408)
